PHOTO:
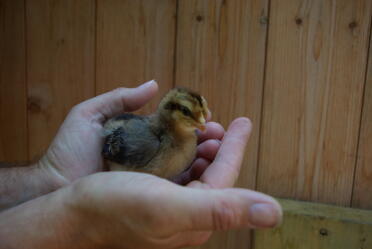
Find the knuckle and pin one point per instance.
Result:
(120, 90)
(77, 108)
(223, 216)
(81, 110)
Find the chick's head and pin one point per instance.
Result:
(186, 108)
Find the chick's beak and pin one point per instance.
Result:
(201, 123)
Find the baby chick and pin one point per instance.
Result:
(164, 143)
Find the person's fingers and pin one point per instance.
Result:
(197, 169)
(222, 209)
(208, 149)
(206, 152)
(118, 101)
(213, 131)
(225, 168)
(193, 172)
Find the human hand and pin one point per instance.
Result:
(76, 149)
(133, 210)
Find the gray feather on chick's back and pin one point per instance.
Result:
(132, 143)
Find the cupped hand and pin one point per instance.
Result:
(76, 150)
(134, 210)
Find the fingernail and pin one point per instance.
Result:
(148, 83)
(263, 215)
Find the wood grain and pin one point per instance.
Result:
(362, 197)
(60, 64)
(310, 225)
(135, 43)
(313, 91)
(221, 54)
(13, 112)
(54, 54)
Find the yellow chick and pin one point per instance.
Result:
(163, 143)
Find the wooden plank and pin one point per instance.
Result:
(13, 112)
(60, 64)
(135, 43)
(310, 225)
(363, 175)
(221, 54)
(313, 91)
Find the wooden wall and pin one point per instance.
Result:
(300, 69)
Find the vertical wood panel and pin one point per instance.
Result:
(135, 43)
(221, 54)
(13, 113)
(362, 197)
(60, 64)
(315, 75)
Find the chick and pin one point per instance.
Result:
(163, 143)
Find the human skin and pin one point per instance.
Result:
(76, 150)
(131, 210)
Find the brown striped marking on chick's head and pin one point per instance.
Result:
(185, 106)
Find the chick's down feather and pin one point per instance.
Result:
(163, 143)
(133, 143)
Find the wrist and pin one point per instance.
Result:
(50, 174)
(20, 184)
(49, 221)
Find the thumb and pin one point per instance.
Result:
(207, 209)
(119, 100)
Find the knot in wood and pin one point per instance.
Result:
(323, 232)
(264, 19)
(298, 20)
(199, 18)
(353, 25)
(34, 104)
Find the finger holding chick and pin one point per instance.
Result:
(209, 143)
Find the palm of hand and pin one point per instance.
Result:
(161, 214)
(158, 213)
(76, 150)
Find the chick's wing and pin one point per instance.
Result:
(131, 141)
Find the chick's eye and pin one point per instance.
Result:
(185, 111)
